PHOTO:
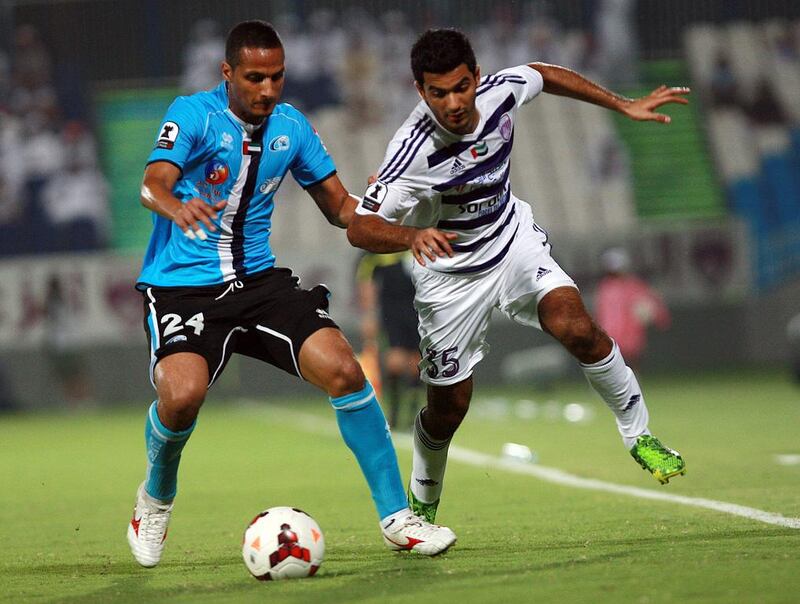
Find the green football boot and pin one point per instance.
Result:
(427, 511)
(662, 462)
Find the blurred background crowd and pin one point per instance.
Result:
(707, 210)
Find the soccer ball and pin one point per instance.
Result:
(283, 543)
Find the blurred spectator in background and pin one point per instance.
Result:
(724, 85)
(202, 57)
(52, 195)
(328, 44)
(360, 73)
(62, 345)
(398, 94)
(627, 306)
(75, 201)
(615, 35)
(386, 302)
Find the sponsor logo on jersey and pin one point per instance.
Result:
(542, 272)
(216, 172)
(269, 185)
(323, 314)
(226, 141)
(456, 167)
(374, 196)
(505, 127)
(479, 149)
(279, 143)
(168, 136)
(175, 340)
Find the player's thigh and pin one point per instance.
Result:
(454, 315)
(279, 330)
(327, 360)
(189, 320)
(530, 274)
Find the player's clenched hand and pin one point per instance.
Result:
(643, 109)
(431, 243)
(196, 213)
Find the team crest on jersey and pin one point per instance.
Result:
(374, 197)
(216, 172)
(226, 141)
(505, 127)
(479, 149)
(279, 143)
(168, 136)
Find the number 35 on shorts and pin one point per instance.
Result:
(174, 323)
(442, 364)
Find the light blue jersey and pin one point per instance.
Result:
(223, 158)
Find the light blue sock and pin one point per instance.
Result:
(163, 456)
(364, 429)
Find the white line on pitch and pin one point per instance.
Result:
(316, 424)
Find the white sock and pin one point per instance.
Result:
(614, 381)
(429, 463)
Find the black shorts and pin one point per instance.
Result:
(267, 316)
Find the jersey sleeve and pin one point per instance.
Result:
(313, 163)
(525, 81)
(392, 201)
(179, 133)
(400, 178)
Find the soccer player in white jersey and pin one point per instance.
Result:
(211, 286)
(443, 192)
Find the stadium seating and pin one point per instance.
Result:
(757, 155)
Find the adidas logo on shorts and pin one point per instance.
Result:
(542, 272)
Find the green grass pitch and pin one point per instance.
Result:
(67, 484)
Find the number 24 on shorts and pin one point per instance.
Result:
(174, 324)
(447, 365)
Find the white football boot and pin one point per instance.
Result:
(147, 530)
(415, 534)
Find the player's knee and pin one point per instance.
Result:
(347, 378)
(182, 404)
(580, 335)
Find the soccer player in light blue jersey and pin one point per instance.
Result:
(211, 287)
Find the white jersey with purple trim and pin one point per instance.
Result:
(432, 177)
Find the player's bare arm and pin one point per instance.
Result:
(334, 201)
(376, 235)
(156, 195)
(565, 82)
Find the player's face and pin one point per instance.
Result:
(451, 97)
(256, 83)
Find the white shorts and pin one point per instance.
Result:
(454, 310)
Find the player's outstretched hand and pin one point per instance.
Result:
(430, 243)
(643, 109)
(194, 212)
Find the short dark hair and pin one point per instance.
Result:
(440, 51)
(250, 34)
